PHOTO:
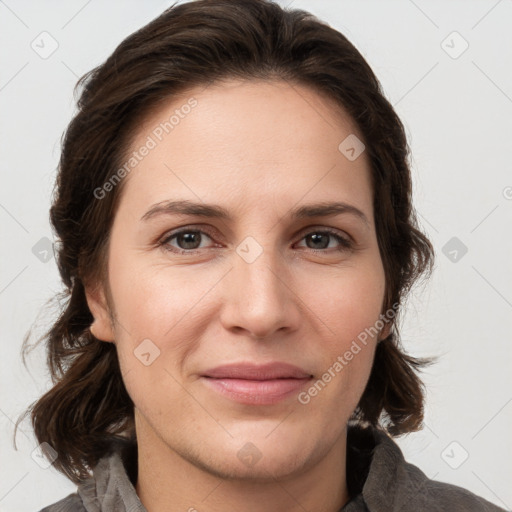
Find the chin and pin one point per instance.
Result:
(254, 468)
(258, 453)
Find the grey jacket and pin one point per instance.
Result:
(378, 479)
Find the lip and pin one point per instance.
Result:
(251, 384)
(251, 371)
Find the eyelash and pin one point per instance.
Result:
(345, 243)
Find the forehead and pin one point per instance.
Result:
(247, 142)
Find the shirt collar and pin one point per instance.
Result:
(378, 478)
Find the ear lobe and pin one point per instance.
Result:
(101, 327)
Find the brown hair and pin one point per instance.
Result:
(194, 44)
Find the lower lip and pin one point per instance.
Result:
(256, 392)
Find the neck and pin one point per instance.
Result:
(170, 481)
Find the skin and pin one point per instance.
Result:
(258, 149)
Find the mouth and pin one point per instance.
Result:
(251, 384)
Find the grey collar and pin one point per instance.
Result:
(378, 479)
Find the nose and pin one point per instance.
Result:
(259, 296)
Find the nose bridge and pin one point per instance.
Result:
(260, 267)
(258, 297)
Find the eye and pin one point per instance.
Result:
(318, 240)
(188, 240)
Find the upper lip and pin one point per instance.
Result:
(251, 371)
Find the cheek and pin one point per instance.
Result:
(156, 328)
(152, 301)
(349, 312)
(165, 306)
(348, 307)
(347, 303)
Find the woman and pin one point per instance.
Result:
(236, 233)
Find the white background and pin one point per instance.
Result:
(457, 112)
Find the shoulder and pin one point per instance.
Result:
(420, 491)
(394, 484)
(71, 503)
(110, 488)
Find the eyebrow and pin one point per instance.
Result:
(186, 207)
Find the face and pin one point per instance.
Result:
(263, 283)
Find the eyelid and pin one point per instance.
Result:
(347, 241)
(328, 229)
(185, 229)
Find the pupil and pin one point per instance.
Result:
(317, 238)
(189, 238)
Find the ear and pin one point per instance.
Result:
(101, 327)
(385, 332)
